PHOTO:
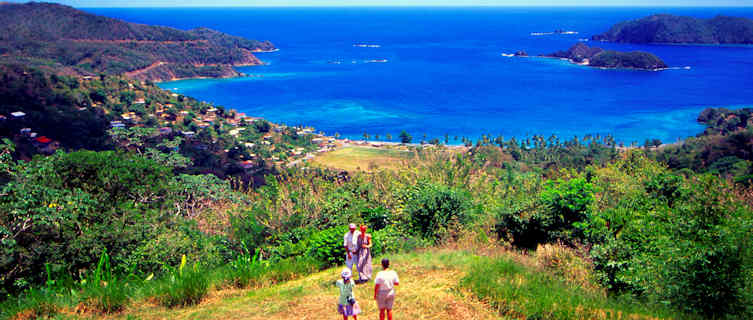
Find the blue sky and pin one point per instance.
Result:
(250, 3)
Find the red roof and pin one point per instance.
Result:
(43, 139)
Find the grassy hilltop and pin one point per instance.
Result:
(122, 200)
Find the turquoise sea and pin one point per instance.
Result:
(437, 71)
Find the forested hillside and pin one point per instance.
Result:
(92, 44)
(665, 28)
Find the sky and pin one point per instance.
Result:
(284, 3)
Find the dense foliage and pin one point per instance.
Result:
(597, 57)
(724, 148)
(665, 28)
(76, 113)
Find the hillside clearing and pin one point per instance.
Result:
(429, 290)
(363, 158)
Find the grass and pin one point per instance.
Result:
(522, 292)
(448, 283)
(364, 158)
(428, 291)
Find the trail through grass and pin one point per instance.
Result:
(428, 290)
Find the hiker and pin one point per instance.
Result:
(384, 289)
(347, 304)
(349, 243)
(363, 243)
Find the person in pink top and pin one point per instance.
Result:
(384, 289)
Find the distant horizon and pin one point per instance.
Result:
(398, 4)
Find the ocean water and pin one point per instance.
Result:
(444, 72)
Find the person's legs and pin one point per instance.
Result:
(381, 314)
(345, 317)
(389, 314)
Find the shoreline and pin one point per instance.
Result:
(586, 64)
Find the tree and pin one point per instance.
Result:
(405, 137)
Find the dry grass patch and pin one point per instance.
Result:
(364, 158)
(428, 290)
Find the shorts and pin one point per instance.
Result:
(348, 309)
(385, 299)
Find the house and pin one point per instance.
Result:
(32, 135)
(246, 164)
(2, 117)
(165, 130)
(203, 125)
(81, 108)
(139, 101)
(26, 131)
(236, 131)
(117, 124)
(43, 140)
(187, 134)
(18, 114)
(213, 109)
(249, 145)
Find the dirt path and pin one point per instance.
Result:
(136, 72)
(426, 291)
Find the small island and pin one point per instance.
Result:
(65, 40)
(609, 59)
(665, 28)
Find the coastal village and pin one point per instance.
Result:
(239, 140)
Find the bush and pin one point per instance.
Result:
(393, 240)
(184, 286)
(434, 208)
(327, 246)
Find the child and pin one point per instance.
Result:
(384, 289)
(347, 305)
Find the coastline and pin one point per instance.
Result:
(586, 64)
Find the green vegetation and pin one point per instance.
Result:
(140, 195)
(722, 149)
(520, 291)
(91, 44)
(110, 112)
(665, 28)
(597, 57)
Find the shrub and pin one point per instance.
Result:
(394, 240)
(434, 208)
(327, 246)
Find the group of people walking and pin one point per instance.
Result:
(357, 245)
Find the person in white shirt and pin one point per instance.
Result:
(384, 289)
(350, 246)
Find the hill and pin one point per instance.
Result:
(91, 44)
(114, 112)
(600, 58)
(665, 28)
